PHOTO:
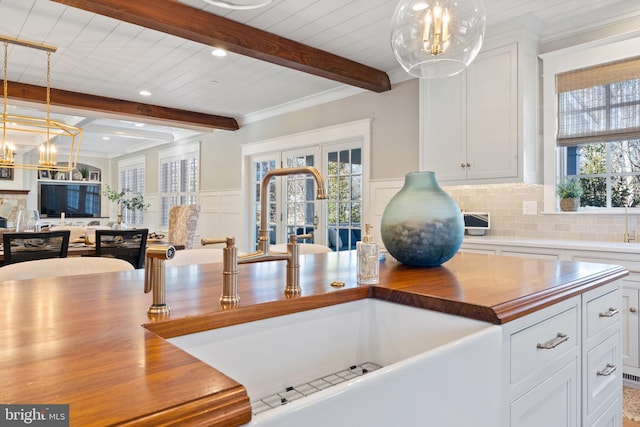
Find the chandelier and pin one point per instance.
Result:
(42, 131)
(437, 38)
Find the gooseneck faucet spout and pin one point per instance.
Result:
(263, 233)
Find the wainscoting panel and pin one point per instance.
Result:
(380, 192)
(220, 214)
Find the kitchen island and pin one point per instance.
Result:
(87, 340)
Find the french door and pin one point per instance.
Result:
(292, 207)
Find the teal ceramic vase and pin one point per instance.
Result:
(422, 225)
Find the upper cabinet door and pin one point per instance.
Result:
(444, 122)
(470, 122)
(492, 114)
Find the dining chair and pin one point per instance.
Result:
(183, 222)
(70, 266)
(128, 245)
(28, 246)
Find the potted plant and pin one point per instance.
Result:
(84, 171)
(569, 192)
(133, 202)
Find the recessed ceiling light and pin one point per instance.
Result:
(138, 124)
(145, 93)
(106, 138)
(219, 52)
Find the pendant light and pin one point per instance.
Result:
(437, 38)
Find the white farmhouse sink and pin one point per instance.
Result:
(433, 366)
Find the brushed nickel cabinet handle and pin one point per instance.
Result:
(609, 313)
(468, 164)
(553, 343)
(610, 369)
(633, 309)
(462, 165)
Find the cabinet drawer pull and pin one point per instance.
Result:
(553, 343)
(633, 309)
(610, 369)
(610, 313)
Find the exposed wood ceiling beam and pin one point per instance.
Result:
(171, 17)
(64, 98)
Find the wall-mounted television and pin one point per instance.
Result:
(77, 200)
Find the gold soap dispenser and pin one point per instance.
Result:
(368, 259)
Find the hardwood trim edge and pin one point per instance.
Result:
(229, 408)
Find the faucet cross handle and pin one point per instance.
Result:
(297, 237)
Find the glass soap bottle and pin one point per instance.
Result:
(368, 259)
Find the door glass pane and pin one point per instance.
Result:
(260, 170)
(300, 197)
(344, 188)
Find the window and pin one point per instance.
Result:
(131, 177)
(599, 132)
(179, 176)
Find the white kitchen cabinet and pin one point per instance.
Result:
(601, 355)
(471, 119)
(631, 326)
(563, 363)
(542, 374)
(550, 403)
(552, 254)
(474, 126)
(630, 338)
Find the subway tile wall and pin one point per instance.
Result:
(505, 204)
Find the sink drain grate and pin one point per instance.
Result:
(289, 394)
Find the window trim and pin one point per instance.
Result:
(560, 61)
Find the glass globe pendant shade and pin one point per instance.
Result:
(437, 38)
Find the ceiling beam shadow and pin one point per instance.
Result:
(64, 98)
(172, 17)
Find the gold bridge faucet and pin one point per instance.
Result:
(231, 259)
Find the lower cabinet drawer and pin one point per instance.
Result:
(612, 416)
(543, 343)
(603, 373)
(603, 312)
(551, 403)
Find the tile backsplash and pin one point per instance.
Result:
(505, 204)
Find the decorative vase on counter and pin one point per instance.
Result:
(422, 225)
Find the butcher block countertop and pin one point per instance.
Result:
(87, 341)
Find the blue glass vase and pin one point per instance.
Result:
(422, 225)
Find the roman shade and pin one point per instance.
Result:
(599, 104)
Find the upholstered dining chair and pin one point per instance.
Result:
(28, 246)
(128, 245)
(183, 223)
(70, 266)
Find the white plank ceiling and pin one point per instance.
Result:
(102, 56)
